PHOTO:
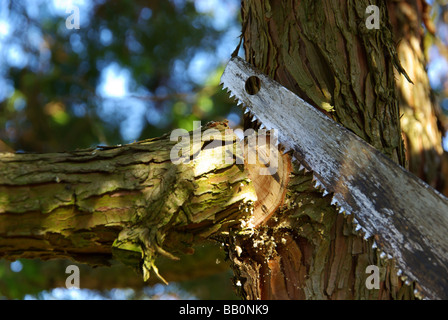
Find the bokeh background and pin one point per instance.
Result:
(132, 71)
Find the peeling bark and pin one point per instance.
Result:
(129, 202)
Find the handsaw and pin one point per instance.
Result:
(408, 218)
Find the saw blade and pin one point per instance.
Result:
(408, 218)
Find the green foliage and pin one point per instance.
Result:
(14, 285)
(53, 100)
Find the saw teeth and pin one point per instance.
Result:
(246, 110)
(358, 227)
(367, 235)
(254, 118)
(383, 255)
(341, 210)
(315, 182)
(374, 245)
(399, 272)
(418, 294)
(325, 193)
(334, 201)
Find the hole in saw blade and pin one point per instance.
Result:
(252, 85)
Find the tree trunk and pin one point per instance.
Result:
(323, 51)
(421, 127)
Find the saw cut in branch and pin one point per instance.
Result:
(130, 202)
(269, 169)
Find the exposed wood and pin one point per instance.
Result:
(270, 178)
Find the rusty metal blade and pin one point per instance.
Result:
(408, 218)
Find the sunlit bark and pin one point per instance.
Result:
(127, 202)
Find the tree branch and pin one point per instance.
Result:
(128, 202)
